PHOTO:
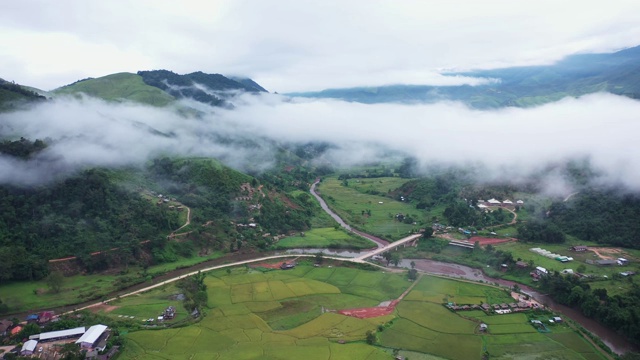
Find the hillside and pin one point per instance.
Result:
(212, 89)
(617, 73)
(13, 96)
(118, 87)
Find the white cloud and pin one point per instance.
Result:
(290, 45)
(509, 143)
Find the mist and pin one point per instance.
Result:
(510, 144)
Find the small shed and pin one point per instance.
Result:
(483, 327)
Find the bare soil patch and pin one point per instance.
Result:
(103, 307)
(607, 253)
(489, 241)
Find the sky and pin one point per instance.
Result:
(293, 45)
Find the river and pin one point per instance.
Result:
(613, 340)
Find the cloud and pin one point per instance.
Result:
(508, 144)
(288, 45)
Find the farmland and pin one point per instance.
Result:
(276, 314)
(374, 214)
(324, 238)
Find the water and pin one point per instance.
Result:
(613, 340)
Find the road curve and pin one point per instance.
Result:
(379, 242)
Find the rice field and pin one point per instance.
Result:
(278, 314)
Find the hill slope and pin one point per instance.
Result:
(12, 96)
(119, 87)
(212, 89)
(617, 73)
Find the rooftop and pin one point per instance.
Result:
(92, 334)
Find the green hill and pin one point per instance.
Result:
(119, 87)
(13, 96)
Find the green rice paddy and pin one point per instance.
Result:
(292, 314)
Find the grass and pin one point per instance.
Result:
(118, 87)
(289, 314)
(324, 238)
(350, 204)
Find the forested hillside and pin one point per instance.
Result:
(603, 216)
(190, 85)
(12, 96)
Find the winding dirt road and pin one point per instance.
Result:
(379, 242)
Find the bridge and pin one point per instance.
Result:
(394, 245)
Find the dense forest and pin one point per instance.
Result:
(82, 214)
(619, 312)
(603, 216)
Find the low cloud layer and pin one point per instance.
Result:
(510, 143)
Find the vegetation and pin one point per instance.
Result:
(118, 87)
(518, 86)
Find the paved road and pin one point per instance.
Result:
(391, 246)
(379, 242)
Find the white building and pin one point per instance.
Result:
(494, 202)
(28, 348)
(91, 337)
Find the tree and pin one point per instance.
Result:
(412, 274)
(581, 268)
(395, 258)
(516, 288)
(54, 281)
(319, 257)
(371, 337)
(413, 264)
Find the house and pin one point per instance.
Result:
(507, 202)
(32, 318)
(28, 348)
(623, 261)
(579, 248)
(521, 264)
(494, 202)
(486, 307)
(45, 316)
(519, 202)
(16, 330)
(92, 336)
(483, 327)
(4, 326)
(504, 306)
(536, 322)
(557, 319)
(169, 313)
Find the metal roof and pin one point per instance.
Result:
(62, 333)
(92, 334)
(29, 345)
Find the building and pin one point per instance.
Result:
(557, 319)
(287, 266)
(623, 261)
(32, 318)
(169, 313)
(507, 202)
(494, 202)
(28, 348)
(45, 316)
(579, 248)
(483, 327)
(59, 335)
(519, 202)
(16, 330)
(521, 264)
(93, 337)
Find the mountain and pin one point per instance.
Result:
(212, 89)
(13, 96)
(118, 87)
(576, 75)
